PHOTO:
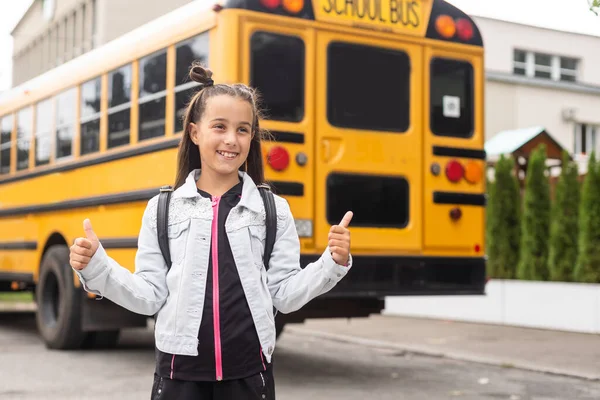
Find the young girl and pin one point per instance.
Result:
(215, 328)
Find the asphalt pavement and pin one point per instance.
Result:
(308, 364)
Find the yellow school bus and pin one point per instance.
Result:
(375, 106)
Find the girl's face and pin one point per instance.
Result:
(223, 134)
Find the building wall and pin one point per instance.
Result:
(501, 37)
(568, 110)
(77, 26)
(117, 17)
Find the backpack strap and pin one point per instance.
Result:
(271, 221)
(162, 222)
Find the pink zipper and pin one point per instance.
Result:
(215, 262)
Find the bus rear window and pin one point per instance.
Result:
(368, 87)
(451, 93)
(377, 201)
(277, 71)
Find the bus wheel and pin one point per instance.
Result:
(58, 302)
(101, 340)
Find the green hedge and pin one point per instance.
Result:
(539, 238)
(535, 224)
(587, 268)
(503, 221)
(564, 228)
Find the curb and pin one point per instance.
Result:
(17, 306)
(426, 351)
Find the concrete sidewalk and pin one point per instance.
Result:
(564, 353)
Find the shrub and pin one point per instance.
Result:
(564, 226)
(587, 268)
(503, 229)
(535, 224)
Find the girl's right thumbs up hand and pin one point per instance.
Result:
(84, 248)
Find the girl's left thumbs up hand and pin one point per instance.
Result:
(339, 240)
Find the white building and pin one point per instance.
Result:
(538, 77)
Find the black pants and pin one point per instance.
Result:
(260, 387)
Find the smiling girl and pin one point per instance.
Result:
(215, 329)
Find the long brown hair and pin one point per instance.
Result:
(188, 157)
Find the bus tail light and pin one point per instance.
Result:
(445, 26)
(473, 172)
(455, 214)
(464, 29)
(270, 4)
(278, 158)
(293, 6)
(454, 171)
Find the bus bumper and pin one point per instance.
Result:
(380, 276)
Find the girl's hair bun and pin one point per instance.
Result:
(201, 75)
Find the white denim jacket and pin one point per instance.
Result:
(178, 295)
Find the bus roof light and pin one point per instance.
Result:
(454, 171)
(271, 4)
(293, 6)
(444, 24)
(464, 29)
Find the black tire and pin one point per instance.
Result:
(101, 340)
(58, 314)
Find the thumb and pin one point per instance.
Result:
(346, 220)
(89, 232)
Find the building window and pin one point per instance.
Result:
(585, 138)
(544, 66)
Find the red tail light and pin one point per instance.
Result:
(464, 29)
(454, 171)
(278, 158)
(271, 4)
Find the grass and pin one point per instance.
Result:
(16, 297)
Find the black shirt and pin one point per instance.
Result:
(241, 354)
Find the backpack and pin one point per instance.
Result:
(163, 219)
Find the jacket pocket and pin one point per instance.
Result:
(178, 235)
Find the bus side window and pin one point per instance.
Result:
(24, 131)
(152, 100)
(451, 93)
(65, 122)
(90, 116)
(119, 107)
(277, 70)
(194, 49)
(6, 125)
(43, 131)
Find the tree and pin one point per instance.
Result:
(594, 6)
(587, 268)
(535, 224)
(564, 224)
(489, 237)
(503, 229)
